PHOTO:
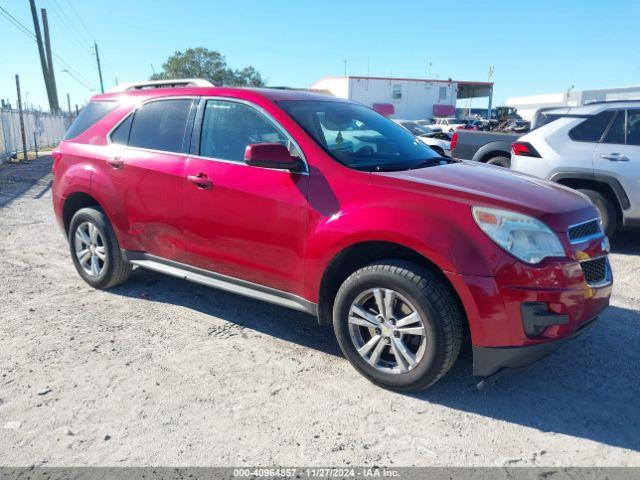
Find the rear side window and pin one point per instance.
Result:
(160, 125)
(615, 134)
(89, 115)
(592, 128)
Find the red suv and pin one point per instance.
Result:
(324, 206)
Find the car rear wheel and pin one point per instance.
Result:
(95, 250)
(398, 324)
(500, 161)
(606, 208)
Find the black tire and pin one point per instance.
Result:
(115, 270)
(500, 161)
(607, 209)
(433, 301)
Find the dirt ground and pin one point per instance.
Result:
(164, 372)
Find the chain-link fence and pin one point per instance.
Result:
(45, 129)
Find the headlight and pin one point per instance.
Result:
(522, 236)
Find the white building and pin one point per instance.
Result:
(405, 98)
(528, 105)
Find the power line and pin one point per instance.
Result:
(84, 25)
(13, 20)
(56, 6)
(65, 27)
(16, 23)
(67, 20)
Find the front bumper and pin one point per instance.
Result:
(489, 360)
(525, 312)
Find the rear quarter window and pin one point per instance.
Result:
(592, 128)
(89, 116)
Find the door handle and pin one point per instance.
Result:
(201, 181)
(115, 162)
(615, 157)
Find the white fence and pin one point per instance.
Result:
(48, 128)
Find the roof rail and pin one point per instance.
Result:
(597, 102)
(173, 83)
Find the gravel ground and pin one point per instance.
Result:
(164, 372)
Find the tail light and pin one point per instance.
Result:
(56, 155)
(454, 140)
(524, 149)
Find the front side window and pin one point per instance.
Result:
(592, 128)
(160, 125)
(633, 127)
(228, 127)
(358, 137)
(90, 115)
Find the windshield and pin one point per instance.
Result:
(358, 137)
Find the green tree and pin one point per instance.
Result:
(210, 65)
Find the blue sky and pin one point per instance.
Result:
(540, 46)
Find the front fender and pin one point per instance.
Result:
(437, 237)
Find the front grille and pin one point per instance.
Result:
(595, 271)
(584, 230)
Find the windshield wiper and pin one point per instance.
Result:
(432, 162)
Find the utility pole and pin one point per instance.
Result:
(69, 103)
(23, 133)
(95, 46)
(47, 47)
(490, 106)
(43, 60)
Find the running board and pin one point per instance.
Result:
(222, 282)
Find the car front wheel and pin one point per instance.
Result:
(398, 324)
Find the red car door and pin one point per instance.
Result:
(243, 221)
(146, 165)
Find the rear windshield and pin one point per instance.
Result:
(89, 115)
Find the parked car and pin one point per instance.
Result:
(451, 124)
(493, 148)
(594, 149)
(258, 192)
(429, 124)
(434, 140)
(474, 125)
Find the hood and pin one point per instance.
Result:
(476, 183)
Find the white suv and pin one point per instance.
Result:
(594, 149)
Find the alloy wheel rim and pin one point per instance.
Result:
(387, 330)
(90, 249)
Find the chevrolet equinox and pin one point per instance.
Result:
(323, 205)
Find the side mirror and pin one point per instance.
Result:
(272, 155)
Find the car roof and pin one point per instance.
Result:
(273, 94)
(593, 108)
